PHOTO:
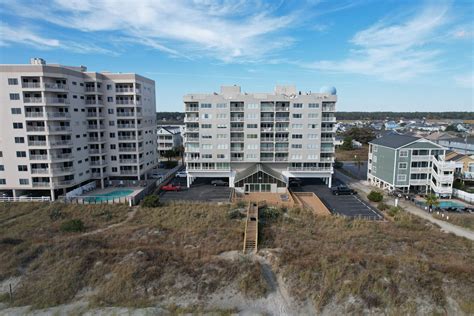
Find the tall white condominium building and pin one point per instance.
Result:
(63, 127)
(259, 141)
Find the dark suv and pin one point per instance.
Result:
(343, 190)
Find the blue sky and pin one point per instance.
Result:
(380, 55)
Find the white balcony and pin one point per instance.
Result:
(35, 128)
(129, 172)
(62, 156)
(30, 85)
(58, 115)
(57, 101)
(314, 169)
(39, 171)
(420, 170)
(41, 184)
(61, 143)
(32, 100)
(36, 143)
(55, 86)
(34, 114)
(419, 181)
(38, 157)
(420, 157)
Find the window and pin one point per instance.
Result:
(74, 83)
(221, 126)
(113, 146)
(206, 136)
(207, 156)
(221, 136)
(312, 115)
(252, 146)
(251, 156)
(297, 136)
(297, 115)
(3, 181)
(206, 116)
(297, 157)
(252, 136)
(206, 105)
(16, 110)
(312, 157)
(110, 111)
(206, 146)
(113, 158)
(252, 125)
(296, 146)
(22, 168)
(222, 146)
(112, 135)
(298, 105)
(114, 169)
(14, 96)
(206, 125)
(312, 146)
(221, 115)
(252, 106)
(19, 140)
(2, 168)
(24, 181)
(221, 105)
(12, 81)
(402, 165)
(312, 136)
(109, 87)
(220, 156)
(375, 148)
(252, 116)
(403, 153)
(402, 177)
(110, 99)
(312, 126)
(297, 126)
(17, 125)
(313, 105)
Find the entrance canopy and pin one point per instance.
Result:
(259, 174)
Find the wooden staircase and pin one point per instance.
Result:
(251, 229)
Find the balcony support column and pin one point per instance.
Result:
(329, 181)
(52, 195)
(14, 193)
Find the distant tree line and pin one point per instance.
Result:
(176, 117)
(406, 115)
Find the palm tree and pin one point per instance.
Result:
(431, 200)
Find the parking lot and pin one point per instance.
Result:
(201, 191)
(347, 205)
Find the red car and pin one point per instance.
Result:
(171, 187)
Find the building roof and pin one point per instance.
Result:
(256, 168)
(171, 130)
(454, 156)
(394, 140)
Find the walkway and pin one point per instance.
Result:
(251, 229)
(311, 201)
(445, 226)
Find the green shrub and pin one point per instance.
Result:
(394, 210)
(382, 206)
(73, 225)
(271, 213)
(151, 201)
(235, 214)
(375, 196)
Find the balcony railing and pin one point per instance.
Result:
(132, 161)
(328, 119)
(30, 85)
(191, 119)
(327, 139)
(127, 149)
(39, 170)
(36, 143)
(96, 127)
(267, 108)
(59, 129)
(237, 119)
(282, 119)
(35, 128)
(281, 129)
(266, 159)
(127, 172)
(97, 162)
(281, 149)
(282, 108)
(62, 156)
(420, 157)
(281, 139)
(328, 129)
(63, 170)
(267, 149)
(55, 86)
(281, 158)
(267, 119)
(63, 182)
(94, 102)
(126, 125)
(267, 139)
(58, 114)
(329, 108)
(90, 89)
(236, 129)
(32, 100)
(127, 137)
(194, 129)
(126, 114)
(236, 158)
(327, 150)
(125, 89)
(95, 114)
(41, 184)
(237, 108)
(192, 109)
(61, 143)
(118, 101)
(34, 114)
(39, 157)
(323, 169)
(236, 139)
(57, 100)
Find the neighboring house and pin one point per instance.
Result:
(338, 141)
(409, 164)
(65, 127)
(169, 137)
(391, 125)
(461, 145)
(464, 165)
(260, 140)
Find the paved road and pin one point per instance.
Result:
(445, 226)
(201, 190)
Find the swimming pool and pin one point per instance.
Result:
(448, 204)
(117, 194)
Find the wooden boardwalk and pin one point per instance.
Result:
(312, 202)
(251, 229)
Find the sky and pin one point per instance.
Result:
(400, 55)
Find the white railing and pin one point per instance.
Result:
(324, 169)
(57, 100)
(463, 195)
(59, 129)
(39, 171)
(281, 158)
(128, 172)
(125, 114)
(420, 170)
(60, 143)
(32, 100)
(61, 156)
(36, 143)
(34, 114)
(97, 162)
(419, 181)
(38, 157)
(56, 86)
(26, 199)
(127, 149)
(30, 85)
(126, 125)
(41, 184)
(128, 160)
(62, 170)
(124, 89)
(420, 157)
(118, 101)
(58, 114)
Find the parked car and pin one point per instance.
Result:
(219, 183)
(181, 174)
(157, 176)
(171, 187)
(343, 190)
(295, 182)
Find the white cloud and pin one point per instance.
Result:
(465, 81)
(393, 50)
(226, 30)
(22, 35)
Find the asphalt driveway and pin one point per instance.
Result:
(201, 191)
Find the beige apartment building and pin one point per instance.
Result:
(63, 127)
(259, 141)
